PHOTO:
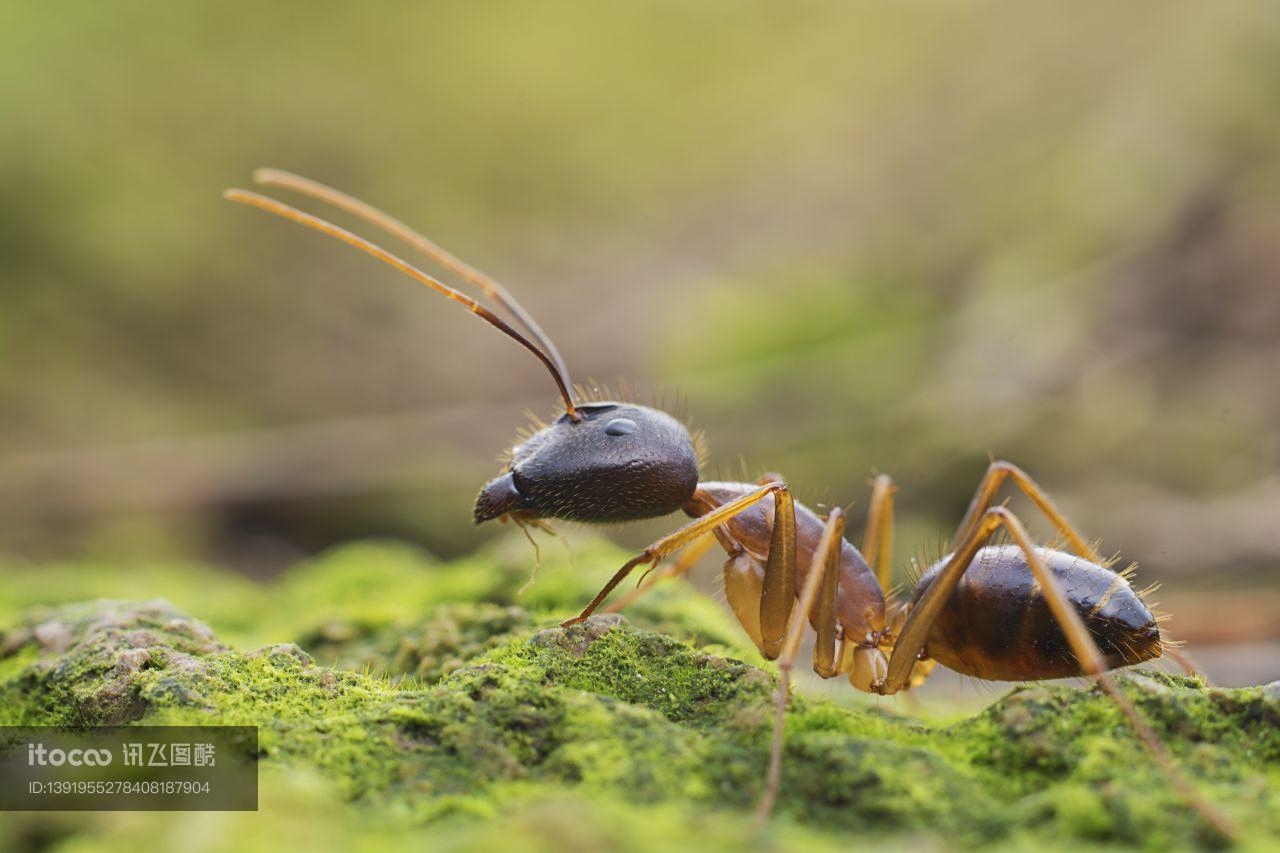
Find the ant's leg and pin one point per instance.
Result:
(916, 631)
(778, 593)
(688, 558)
(877, 548)
(828, 649)
(999, 471)
(667, 545)
(877, 541)
(1170, 648)
(819, 589)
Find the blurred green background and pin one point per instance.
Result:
(855, 237)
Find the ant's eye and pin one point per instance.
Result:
(620, 426)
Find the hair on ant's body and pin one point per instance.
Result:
(991, 607)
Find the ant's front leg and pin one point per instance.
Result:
(689, 557)
(777, 582)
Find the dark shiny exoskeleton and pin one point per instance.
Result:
(617, 462)
(998, 626)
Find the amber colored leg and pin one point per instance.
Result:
(1179, 657)
(689, 557)
(779, 592)
(997, 473)
(819, 588)
(828, 646)
(877, 540)
(916, 631)
(704, 524)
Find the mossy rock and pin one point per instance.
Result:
(405, 702)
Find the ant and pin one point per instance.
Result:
(996, 607)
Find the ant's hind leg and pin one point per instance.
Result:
(915, 632)
(983, 499)
(997, 473)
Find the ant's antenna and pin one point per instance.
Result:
(437, 253)
(316, 223)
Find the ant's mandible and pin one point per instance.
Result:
(1044, 613)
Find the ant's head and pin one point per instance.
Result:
(599, 462)
(615, 462)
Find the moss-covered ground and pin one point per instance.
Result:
(404, 702)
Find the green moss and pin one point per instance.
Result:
(442, 712)
(425, 649)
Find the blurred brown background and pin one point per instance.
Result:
(855, 237)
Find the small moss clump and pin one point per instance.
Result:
(400, 701)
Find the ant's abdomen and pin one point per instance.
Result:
(997, 625)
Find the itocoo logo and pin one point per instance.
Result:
(39, 754)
